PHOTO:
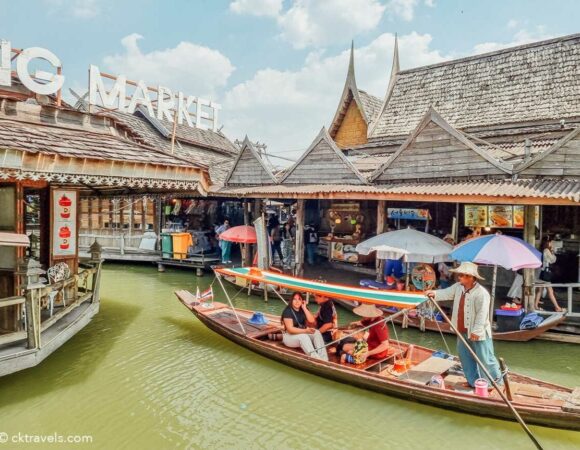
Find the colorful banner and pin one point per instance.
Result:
(64, 223)
(408, 213)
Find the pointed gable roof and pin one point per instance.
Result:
(560, 159)
(323, 163)
(350, 92)
(249, 168)
(437, 150)
(395, 68)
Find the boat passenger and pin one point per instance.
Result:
(296, 319)
(326, 317)
(377, 336)
(471, 303)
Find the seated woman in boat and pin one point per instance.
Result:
(326, 317)
(296, 319)
(377, 336)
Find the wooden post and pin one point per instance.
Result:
(33, 318)
(247, 248)
(300, 215)
(530, 238)
(381, 225)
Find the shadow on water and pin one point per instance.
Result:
(75, 361)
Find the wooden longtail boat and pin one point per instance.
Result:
(433, 325)
(536, 401)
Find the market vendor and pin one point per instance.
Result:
(471, 302)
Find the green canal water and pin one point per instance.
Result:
(146, 374)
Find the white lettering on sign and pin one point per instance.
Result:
(44, 83)
(195, 112)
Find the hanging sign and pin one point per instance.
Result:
(64, 223)
(501, 216)
(408, 213)
(476, 216)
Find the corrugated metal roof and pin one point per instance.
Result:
(563, 189)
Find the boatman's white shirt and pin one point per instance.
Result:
(476, 313)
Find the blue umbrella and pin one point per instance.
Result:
(498, 250)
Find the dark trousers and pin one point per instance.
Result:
(276, 248)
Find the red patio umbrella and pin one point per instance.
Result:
(243, 234)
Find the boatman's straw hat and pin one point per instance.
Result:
(468, 268)
(367, 311)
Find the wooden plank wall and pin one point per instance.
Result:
(565, 161)
(249, 171)
(322, 166)
(436, 154)
(353, 128)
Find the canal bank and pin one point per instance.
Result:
(146, 374)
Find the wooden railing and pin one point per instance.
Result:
(76, 291)
(570, 294)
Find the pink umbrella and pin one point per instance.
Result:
(243, 234)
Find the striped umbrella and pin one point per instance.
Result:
(498, 250)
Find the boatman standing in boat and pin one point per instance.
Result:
(471, 302)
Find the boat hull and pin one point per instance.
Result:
(514, 336)
(408, 391)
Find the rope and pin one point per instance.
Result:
(397, 339)
(405, 322)
(442, 336)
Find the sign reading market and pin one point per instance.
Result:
(160, 103)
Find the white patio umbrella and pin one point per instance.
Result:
(411, 245)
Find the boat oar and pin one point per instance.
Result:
(488, 375)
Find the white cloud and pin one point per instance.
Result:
(286, 108)
(309, 22)
(522, 37)
(430, 3)
(513, 23)
(82, 9)
(257, 7)
(191, 68)
(403, 9)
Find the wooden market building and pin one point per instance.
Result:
(498, 131)
(53, 158)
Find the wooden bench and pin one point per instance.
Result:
(424, 371)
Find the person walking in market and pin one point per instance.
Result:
(471, 304)
(225, 246)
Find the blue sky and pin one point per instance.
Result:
(277, 67)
